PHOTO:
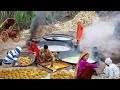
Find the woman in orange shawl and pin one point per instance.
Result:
(79, 32)
(84, 70)
(34, 49)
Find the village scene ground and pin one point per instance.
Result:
(99, 31)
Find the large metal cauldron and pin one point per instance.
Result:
(71, 52)
(56, 46)
(58, 37)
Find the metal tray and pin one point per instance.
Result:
(43, 65)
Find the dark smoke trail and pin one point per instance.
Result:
(38, 20)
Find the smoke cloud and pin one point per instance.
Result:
(102, 35)
(38, 20)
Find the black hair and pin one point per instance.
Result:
(45, 46)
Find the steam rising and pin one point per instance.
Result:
(101, 34)
(97, 34)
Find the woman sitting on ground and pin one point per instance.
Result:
(84, 69)
(34, 49)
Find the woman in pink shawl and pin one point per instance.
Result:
(84, 69)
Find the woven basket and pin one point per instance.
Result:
(27, 54)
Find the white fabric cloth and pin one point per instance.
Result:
(12, 56)
(108, 61)
(111, 71)
(18, 50)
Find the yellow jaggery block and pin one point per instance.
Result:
(62, 75)
(23, 73)
(24, 61)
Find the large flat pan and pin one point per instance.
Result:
(58, 37)
(72, 56)
(56, 46)
(74, 60)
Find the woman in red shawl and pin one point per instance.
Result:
(34, 49)
(79, 32)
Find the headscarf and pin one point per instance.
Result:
(35, 49)
(108, 61)
(83, 54)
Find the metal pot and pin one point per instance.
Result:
(57, 43)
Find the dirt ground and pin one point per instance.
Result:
(10, 45)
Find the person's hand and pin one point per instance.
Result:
(34, 52)
(16, 65)
(30, 51)
(41, 61)
(99, 67)
(42, 54)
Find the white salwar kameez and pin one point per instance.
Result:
(112, 71)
